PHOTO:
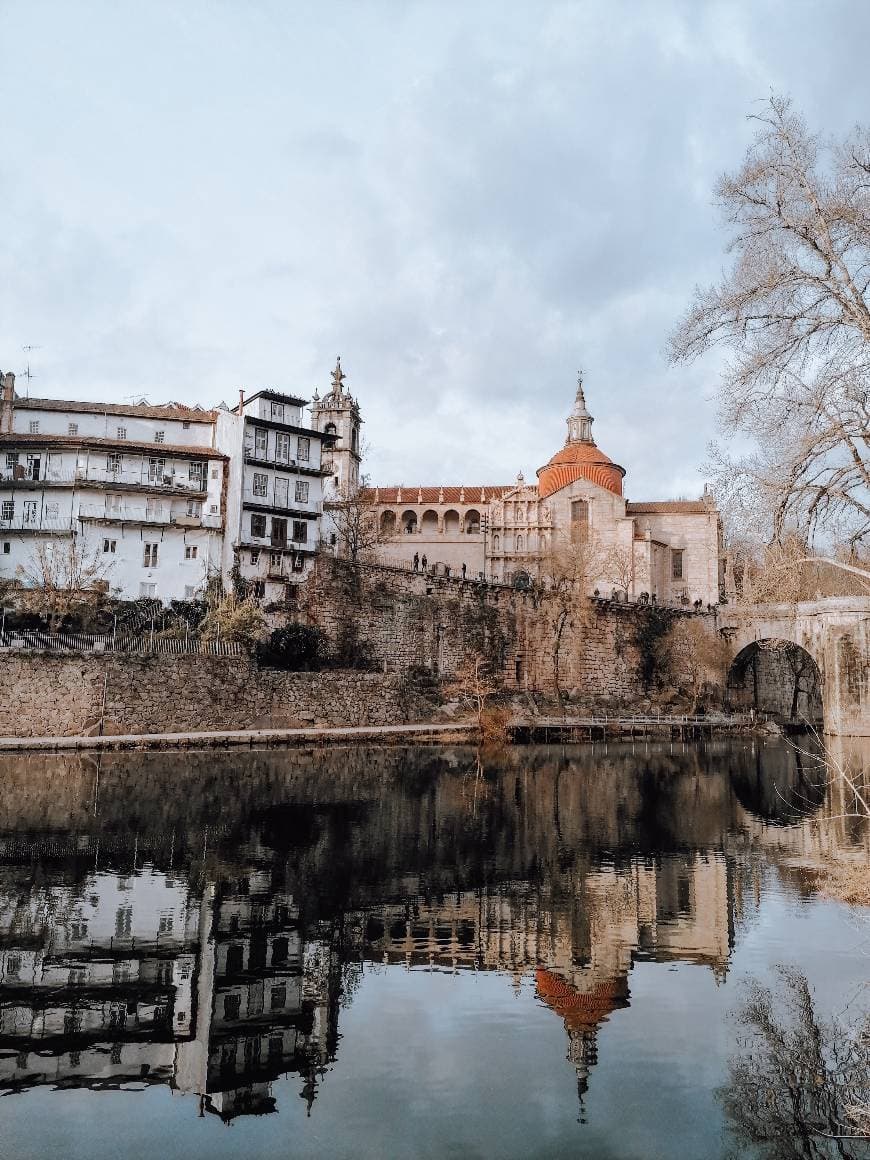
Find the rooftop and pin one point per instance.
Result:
(138, 410)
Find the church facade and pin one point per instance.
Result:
(574, 525)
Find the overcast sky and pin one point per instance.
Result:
(466, 200)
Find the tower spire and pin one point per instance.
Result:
(338, 377)
(580, 421)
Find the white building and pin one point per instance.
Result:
(131, 496)
(274, 491)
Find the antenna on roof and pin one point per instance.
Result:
(27, 373)
(137, 400)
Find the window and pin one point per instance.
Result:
(7, 509)
(282, 491)
(51, 511)
(109, 546)
(677, 563)
(156, 468)
(186, 425)
(261, 442)
(159, 436)
(279, 533)
(261, 484)
(11, 458)
(166, 922)
(282, 447)
(232, 1006)
(122, 432)
(189, 591)
(579, 519)
(73, 429)
(7, 547)
(113, 462)
(34, 466)
(255, 556)
(150, 557)
(303, 448)
(301, 491)
(194, 508)
(147, 591)
(190, 552)
(300, 532)
(34, 426)
(275, 559)
(123, 921)
(196, 474)
(258, 589)
(330, 429)
(213, 508)
(278, 412)
(278, 997)
(258, 525)
(214, 473)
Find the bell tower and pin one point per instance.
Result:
(337, 413)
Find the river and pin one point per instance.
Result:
(408, 952)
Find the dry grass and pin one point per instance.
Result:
(847, 882)
(494, 723)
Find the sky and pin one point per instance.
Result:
(467, 201)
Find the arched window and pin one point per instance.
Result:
(388, 523)
(519, 543)
(496, 543)
(451, 523)
(354, 438)
(429, 523)
(472, 522)
(409, 522)
(330, 429)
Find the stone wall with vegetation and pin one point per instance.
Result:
(596, 651)
(43, 695)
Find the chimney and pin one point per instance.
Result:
(7, 401)
(241, 399)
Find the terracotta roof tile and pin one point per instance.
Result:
(666, 506)
(472, 493)
(158, 450)
(580, 461)
(140, 410)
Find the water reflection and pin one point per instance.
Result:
(201, 921)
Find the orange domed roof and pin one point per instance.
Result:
(579, 461)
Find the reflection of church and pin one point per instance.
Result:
(580, 939)
(670, 549)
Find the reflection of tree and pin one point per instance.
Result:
(800, 1086)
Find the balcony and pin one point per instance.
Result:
(49, 526)
(142, 479)
(135, 514)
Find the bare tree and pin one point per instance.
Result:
(474, 684)
(794, 313)
(355, 519)
(61, 571)
(787, 571)
(568, 569)
(617, 569)
(798, 1088)
(697, 653)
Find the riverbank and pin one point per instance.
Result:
(559, 730)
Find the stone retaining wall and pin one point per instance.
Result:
(43, 695)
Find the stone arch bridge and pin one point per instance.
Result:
(835, 632)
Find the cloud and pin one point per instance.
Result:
(466, 201)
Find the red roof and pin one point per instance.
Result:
(580, 461)
(679, 506)
(142, 410)
(477, 493)
(157, 450)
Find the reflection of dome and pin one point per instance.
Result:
(580, 1009)
(579, 461)
(579, 458)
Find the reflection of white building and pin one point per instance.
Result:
(130, 494)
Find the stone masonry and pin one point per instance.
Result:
(64, 695)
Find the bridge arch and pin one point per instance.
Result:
(778, 679)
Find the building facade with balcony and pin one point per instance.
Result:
(274, 491)
(128, 497)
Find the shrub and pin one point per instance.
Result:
(296, 647)
(231, 619)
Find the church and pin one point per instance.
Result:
(573, 526)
